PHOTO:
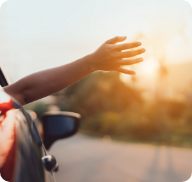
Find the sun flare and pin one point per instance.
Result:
(149, 67)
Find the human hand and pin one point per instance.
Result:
(109, 57)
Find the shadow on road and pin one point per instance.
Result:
(156, 174)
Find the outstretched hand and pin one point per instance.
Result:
(111, 56)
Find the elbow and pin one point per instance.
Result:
(21, 94)
(25, 97)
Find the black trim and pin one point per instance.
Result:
(3, 80)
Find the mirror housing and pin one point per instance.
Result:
(58, 125)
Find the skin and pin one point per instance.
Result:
(109, 56)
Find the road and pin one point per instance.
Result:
(86, 159)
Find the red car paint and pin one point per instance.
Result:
(8, 137)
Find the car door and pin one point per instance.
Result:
(23, 155)
(22, 159)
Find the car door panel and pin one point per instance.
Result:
(21, 150)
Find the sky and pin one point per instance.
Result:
(39, 34)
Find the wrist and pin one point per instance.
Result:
(88, 63)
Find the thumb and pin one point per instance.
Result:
(116, 39)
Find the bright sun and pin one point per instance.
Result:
(147, 68)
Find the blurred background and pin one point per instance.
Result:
(131, 126)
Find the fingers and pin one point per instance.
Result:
(122, 70)
(128, 54)
(116, 39)
(130, 61)
(121, 47)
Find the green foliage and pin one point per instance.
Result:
(101, 92)
(109, 107)
(39, 109)
(175, 109)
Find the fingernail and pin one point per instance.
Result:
(123, 37)
(140, 59)
(142, 50)
(133, 73)
(138, 43)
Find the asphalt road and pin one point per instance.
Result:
(85, 159)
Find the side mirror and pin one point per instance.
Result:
(58, 125)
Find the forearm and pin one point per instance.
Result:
(107, 57)
(47, 82)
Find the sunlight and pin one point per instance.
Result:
(148, 67)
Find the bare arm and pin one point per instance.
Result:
(41, 84)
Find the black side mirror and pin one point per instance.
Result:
(58, 125)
